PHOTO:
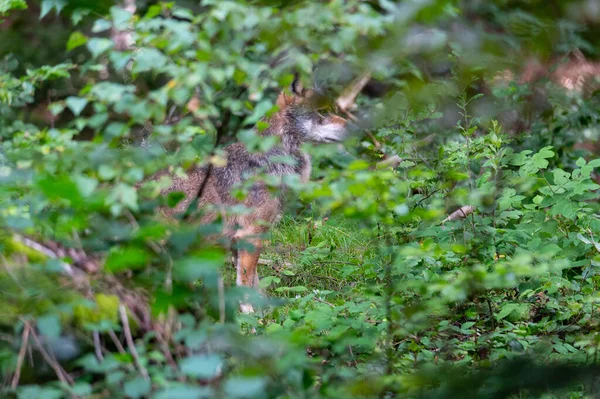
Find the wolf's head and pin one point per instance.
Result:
(298, 116)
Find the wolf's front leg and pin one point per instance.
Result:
(246, 269)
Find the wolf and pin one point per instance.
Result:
(295, 122)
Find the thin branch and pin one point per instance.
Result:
(166, 351)
(426, 197)
(323, 301)
(130, 343)
(460, 213)
(131, 219)
(346, 100)
(391, 162)
(171, 112)
(221, 289)
(117, 342)
(489, 303)
(388, 295)
(21, 357)
(62, 375)
(98, 346)
(376, 142)
(352, 355)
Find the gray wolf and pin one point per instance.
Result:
(296, 122)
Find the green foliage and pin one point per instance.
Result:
(387, 296)
(7, 5)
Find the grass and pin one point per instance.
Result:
(324, 255)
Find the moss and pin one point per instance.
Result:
(15, 247)
(105, 307)
(28, 291)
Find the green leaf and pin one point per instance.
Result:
(56, 108)
(260, 111)
(550, 249)
(101, 25)
(583, 239)
(78, 15)
(49, 326)
(174, 198)
(204, 262)
(126, 195)
(202, 366)
(126, 258)
(265, 282)
(75, 40)
(506, 310)
(565, 208)
(520, 158)
(76, 104)
(107, 172)
(120, 17)
(97, 120)
(539, 159)
(7, 5)
(560, 177)
(48, 5)
(184, 392)
(274, 328)
(97, 46)
(153, 11)
(560, 348)
(467, 325)
(111, 92)
(137, 388)
(82, 389)
(119, 59)
(148, 59)
(37, 392)
(244, 387)
(60, 188)
(115, 129)
(595, 163)
(86, 185)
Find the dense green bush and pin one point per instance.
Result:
(467, 267)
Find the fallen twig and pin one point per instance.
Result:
(54, 250)
(43, 250)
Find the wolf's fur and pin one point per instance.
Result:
(294, 123)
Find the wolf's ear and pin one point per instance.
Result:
(296, 87)
(284, 100)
